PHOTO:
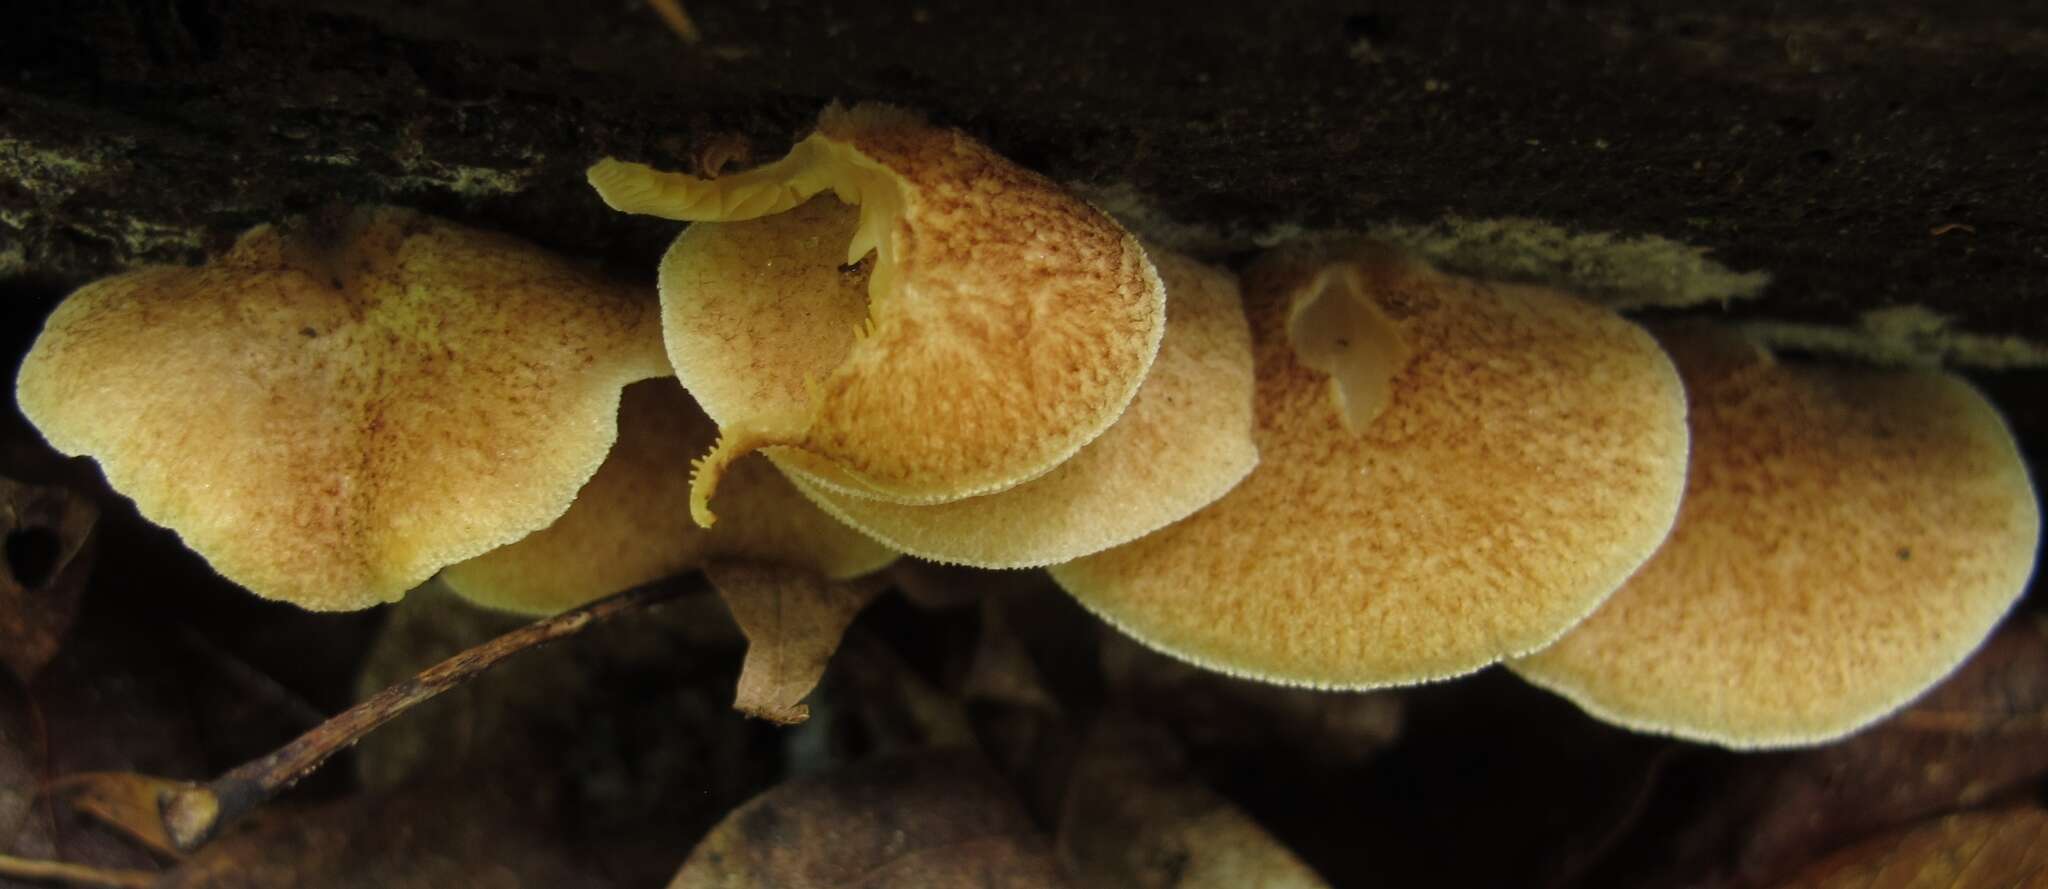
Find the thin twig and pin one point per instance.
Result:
(74, 874)
(678, 20)
(193, 814)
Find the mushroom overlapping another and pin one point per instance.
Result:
(631, 524)
(1450, 473)
(1000, 325)
(1848, 537)
(334, 410)
(1185, 441)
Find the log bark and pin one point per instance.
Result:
(1866, 156)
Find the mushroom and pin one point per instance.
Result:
(1000, 325)
(1185, 441)
(1848, 537)
(631, 523)
(333, 411)
(1450, 472)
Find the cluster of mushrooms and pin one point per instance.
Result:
(1344, 469)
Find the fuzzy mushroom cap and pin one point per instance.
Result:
(1002, 325)
(1185, 441)
(631, 524)
(1848, 537)
(1450, 472)
(332, 412)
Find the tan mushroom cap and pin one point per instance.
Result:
(1516, 454)
(1848, 537)
(1002, 325)
(1185, 441)
(332, 412)
(631, 524)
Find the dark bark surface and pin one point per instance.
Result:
(1866, 157)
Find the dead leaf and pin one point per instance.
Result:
(930, 819)
(1020, 722)
(793, 619)
(128, 802)
(516, 718)
(20, 766)
(47, 532)
(1979, 738)
(1002, 669)
(1137, 818)
(112, 700)
(1983, 850)
(626, 733)
(428, 836)
(897, 707)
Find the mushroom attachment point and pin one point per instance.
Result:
(1450, 473)
(338, 407)
(631, 523)
(1185, 441)
(1337, 329)
(893, 311)
(1848, 537)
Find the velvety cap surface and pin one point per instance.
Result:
(631, 524)
(333, 411)
(1467, 471)
(1005, 322)
(1185, 441)
(1848, 537)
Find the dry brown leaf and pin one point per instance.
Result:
(425, 837)
(116, 698)
(1137, 818)
(125, 801)
(48, 535)
(20, 770)
(898, 708)
(1980, 735)
(793, 620)
(626, 733)
(1981, 850)
(517, 719)
(1024, 726)
(931, 819)
(1002, 669)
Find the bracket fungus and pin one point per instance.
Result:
(334, 410)
(1001, 324)
(631, 523)
(1499, 465)
(1848, 537)
(1185, 441)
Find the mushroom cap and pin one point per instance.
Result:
(1005, 322)
(1185, 441)
(1517, 453)
(331, 412)
(631, 524)
(1848, 537)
